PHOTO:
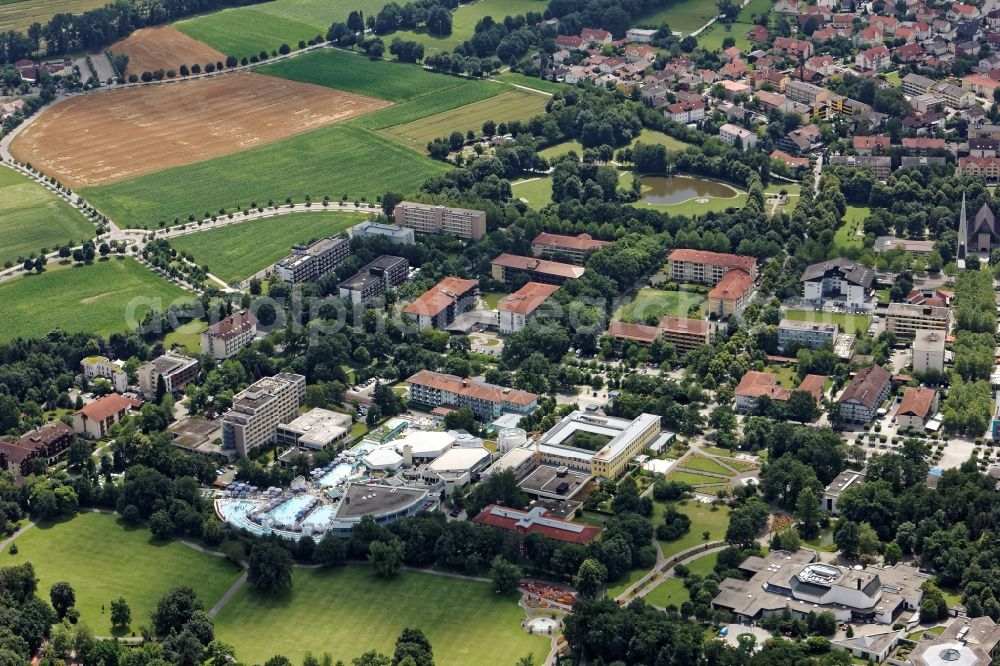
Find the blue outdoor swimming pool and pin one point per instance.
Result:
(284, 514)
(336, 476)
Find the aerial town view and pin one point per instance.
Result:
(499, 332)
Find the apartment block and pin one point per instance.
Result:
(47, 443)
(507, 267)
(731, 296)
(867, 391)
(96, 418)
(707, 267)
(441, 304)
(928, 351)
(814, 335)
(573, 249)
(396, 234)
(177, 372)
(905, 319)
(517, 309)
(229, 335)
(258, 411)
(879, 165)
(737, 136)
(311, 262)
(102, 366)
(433, 219)
(487, 401)
(685, 334)
(375, 279)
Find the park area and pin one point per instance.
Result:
(101, 298)
(851, 234)
(235, 252)
(163, 47)
(704, 518)
(111, 137)
(103, 560)
(650, 305)
(672, 590)
(464, 20)
(32, 218)
(350, 610)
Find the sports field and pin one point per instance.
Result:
(100, 298)
(464, 20)
(511, 105)
(20, 15)
(110, 137)
(103, 560)
(332, 161)
(704, 517)
(349, 611)
(237, 251)
(163, 47)
(655, 303)
(243, 31)
(684, 16)
(849, 323)
(32, 218)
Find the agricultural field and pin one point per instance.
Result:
(163, 47)
(88, 551)
(704, 517)
(536, 191)
(333, 161)
(510, 105)
(849, 323)
(683, 16)
(101, 298)
(100, 139)
(655, 303)
(21, 14)
(465, 621)
(464, 20)
(237, 251)
(32, 218)
(515, 78)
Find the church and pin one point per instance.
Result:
(979, 237)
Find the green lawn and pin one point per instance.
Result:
(849, 323)
(101, 298)
(464, 21)
(850, 235)
(243, 31)
(703, 517)
(659, 139)
(331, 161)
(711, 39)
(491, 299)
(785, 375)
(465, 94)
(691, 478)
(650, 304)
(536, 191)
(103, 560)
(187, 336)
(705, 464)
(32, 218)
(562, 148)
(237, 251)
(754, 10)
(630, 579)
(684, 16)
(531, 82)
(349, 611)
(672, 590)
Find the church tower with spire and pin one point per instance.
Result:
(963, 233)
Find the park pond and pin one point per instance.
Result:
(678, 189)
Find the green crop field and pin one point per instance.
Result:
(469, 92)
(103, 560)
(534, 82)
(350, 610)
(31, 218)
(242, 31)
(655, 303)
(18, 15)
(331, 161)
(536, 191)
(102, 298)
(464, 20)
(511, 105)
(704, 517)
(848, 323)
(684, 16)
(237, 251)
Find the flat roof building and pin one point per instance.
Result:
(905, 319)
(813, 335)
(176, 371)
(846, 479)
(965, 642)
(518, 308)
(573, 249)
(397, 234)
(258, 410)
(373, 280)
(626, 438)
(928, 351)
(435, 219)
(441, 304)
(507, 267)
(311, 262)
(315, 430)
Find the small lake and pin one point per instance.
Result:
(677, 189)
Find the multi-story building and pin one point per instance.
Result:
(311, 262)
(177, 372)
(879, 165)
(102, 366)
(731, 296)
(987, 168)
(755, 385)
(839, 280)
(517, 309)
(229, 335)
(487, 401)
(573, 249)
(813, 335)
(846, 479)
(623, 440)
(707, 267)
(918, 405)
(258, 411)
(508, 267)
(47, 443)
(915, 84)
(685, 334)
(536, 521)
(905, 319)
(434, 219)
(375, 279)
(438, 306)
(737, 136)
(95, 419)
(314, 430)
(928, 351)
(397, 234)
(867, 391)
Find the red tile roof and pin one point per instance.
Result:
(755, 384)
(732, 286)
(471, 388)
(527, 299)
(636, 332)
(812, 384)
(748, 264)
(433, 301)
(681, 325)
(870, 142)
(916, 402)
(556, 268)
(233, 325)
(109, 405)
(529, 522)
(582, 242)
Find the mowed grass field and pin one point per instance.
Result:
(96, 299)
(31, 218)
(684, 16)
(103, 560)
(331, 161)
(536, 191)
(672, 590)
(349, 611)
(656, 303)
(18, 15)
(849, 323)
(531, 82)
(704, 517)
(464, 20)
(237, 251)
(511, 105)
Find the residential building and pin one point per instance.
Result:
(95, 419)
(814, 335)
(880, 166)
(737, 136)
(176, 371)
(921, 145)
(536, 521)
(441, 304)
(905, 319)
(966, 641)
(704, 267)
(229, 335)
(434, 219)
(381, 275)
(310, 262)
(915, 84)
(789, 161)
(640, 35)
(758, 33)
(595, 37)
(846, 479)
(987, 168)
(314, 430)
(507, 267)
(793, 48)
(868, 145)
(685, 334)
(868, 389)
(258, 410)
(397, 234)
(487, 401)
(573, 249)
(807, 93)
(917, 406)
(838, 280)
(731, 296)
(517, 309)
(928, 351)
(755, 384)
(876, 58)
(101, 366)
(47, 443)
(685, 112)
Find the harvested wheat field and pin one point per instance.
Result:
(164, 47)
(109, 137)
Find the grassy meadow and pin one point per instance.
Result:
(19, 14)
(683, 16)
(656, 303)
(704, 517)
(849, 323)
(536, 191)
(464, 20)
